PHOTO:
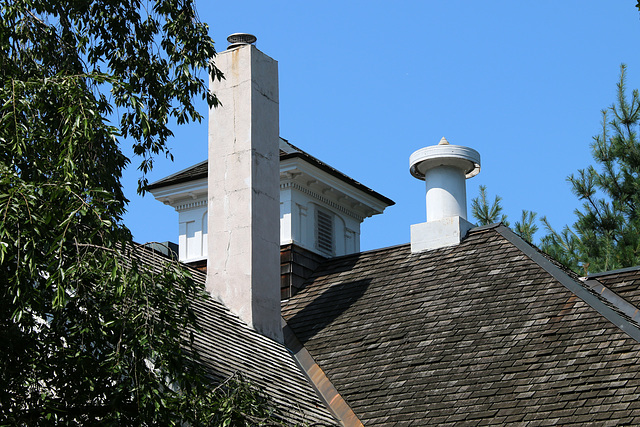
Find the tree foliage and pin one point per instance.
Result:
(526, 227)
(486, 213)
(92, 333)
(606, 233)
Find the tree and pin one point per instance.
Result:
(487, 214)
(92, 333)
(606, 234)
(526, 227)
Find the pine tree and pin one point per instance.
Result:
(526, 227)
(606, 234)
(487, 214)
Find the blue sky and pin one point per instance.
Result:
(365, 84)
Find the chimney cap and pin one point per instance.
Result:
(444, 154)
(240, 39)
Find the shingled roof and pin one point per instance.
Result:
(487, 332)
(625, 282)
(200, 171)
(227, 346)
(197, 171)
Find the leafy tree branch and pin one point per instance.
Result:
(94, 332)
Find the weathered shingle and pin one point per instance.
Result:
(228, 346)
(625, 282)
(192, 173)
(478, 333)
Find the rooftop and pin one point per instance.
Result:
(227, 346)
(491, 329)
(200, 171)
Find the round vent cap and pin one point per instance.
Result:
(240, 39)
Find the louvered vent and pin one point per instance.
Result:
(324, 231)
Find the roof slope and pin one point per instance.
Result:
(228, 346)
(197, 171)
(200, 171)
(473, 332)
(625, 282)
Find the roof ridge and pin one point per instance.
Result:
(571, 281)
(611, 272)
(480, 228)
(615, 299)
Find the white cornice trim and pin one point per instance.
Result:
(190, 205)
(176, 194)
(325, 200)
(296, 168)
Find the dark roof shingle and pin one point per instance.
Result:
(625, 282)
(200, 171)
(473, 332)
(192, 173)
(227, 346)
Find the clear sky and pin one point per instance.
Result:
(363, 84)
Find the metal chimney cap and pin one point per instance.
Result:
(240, 39)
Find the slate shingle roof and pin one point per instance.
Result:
(228, 346)
(478, 333)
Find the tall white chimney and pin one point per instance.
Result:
(244, 197)
(444, 168)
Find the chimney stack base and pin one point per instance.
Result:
(438, 234)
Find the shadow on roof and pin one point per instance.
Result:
(340, 297)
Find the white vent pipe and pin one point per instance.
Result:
(444, 168)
